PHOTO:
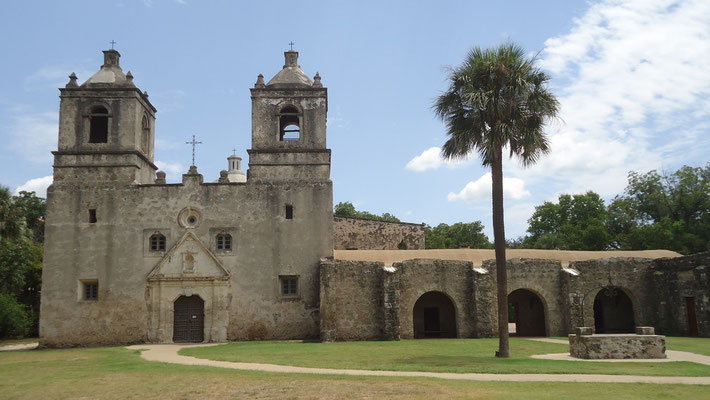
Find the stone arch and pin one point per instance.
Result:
(614, 311)
(290, 123)
(434, 316)
(97, 121)
(145, 135)
(529, 312)
(188, 319)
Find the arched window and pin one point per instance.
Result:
(145, 135)
(224, 241)
(157, 242)
(98, 125)
(289, 124)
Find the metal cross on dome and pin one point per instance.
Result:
(193, 143)
(112, 43)
(291, 44)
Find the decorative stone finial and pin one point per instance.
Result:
(316, 81)
(291, 59)
(160, 178)
(193, 170)
(111, 58)
(223, 176)
(72, 81)
(260, 82)
(129, 79)
(145, 94)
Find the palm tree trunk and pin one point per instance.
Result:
(499, 240)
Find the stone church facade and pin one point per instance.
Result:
(131, 258)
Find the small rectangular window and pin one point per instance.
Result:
(157, 242)
(224, 241)
(289, 285)
(289, 211)
(92, 215)
(90, 290)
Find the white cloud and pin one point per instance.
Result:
(34, 134)
(37, 185)
(431, 159)
(634, 92)
(171, 169)
(480, 190)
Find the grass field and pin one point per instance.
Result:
(446, 355)
(118, 373)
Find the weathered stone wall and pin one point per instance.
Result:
(365, 234)
(352, 300)
(452, 278)
(114, 251)
(674, 281)
(629, 275)
(542, 278)
(382, 299)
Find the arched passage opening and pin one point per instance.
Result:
(613, 312)
(189, 319)
(434, 316)
(527, 312)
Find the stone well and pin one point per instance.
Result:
(644, 344)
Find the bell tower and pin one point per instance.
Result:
(289, 126)
(106, 129)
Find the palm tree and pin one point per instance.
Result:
(497, 99)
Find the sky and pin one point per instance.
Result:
(631, 77)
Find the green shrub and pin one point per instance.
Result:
(14, 320)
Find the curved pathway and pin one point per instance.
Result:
(168, 353)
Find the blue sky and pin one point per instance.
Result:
(631, 77)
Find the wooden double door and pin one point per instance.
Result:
(189, 321)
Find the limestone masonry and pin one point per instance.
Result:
(131, 258)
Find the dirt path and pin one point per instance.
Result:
(168, 353)
(21, 346)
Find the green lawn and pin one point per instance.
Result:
(118, 373)
(691, 344)
(444, 355)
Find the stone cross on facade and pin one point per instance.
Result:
(193, 143)
(291, 44)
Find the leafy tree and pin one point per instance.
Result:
(575, 222)
(347, 209)
(21, 233)
(663, 211)
(460, 234)
(33, 209)
(497, 98)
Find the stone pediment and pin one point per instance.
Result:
(189, 259)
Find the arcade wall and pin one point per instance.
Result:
(367, 300)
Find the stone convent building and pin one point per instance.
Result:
(131, 258)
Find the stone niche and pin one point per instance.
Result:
(644, 344)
